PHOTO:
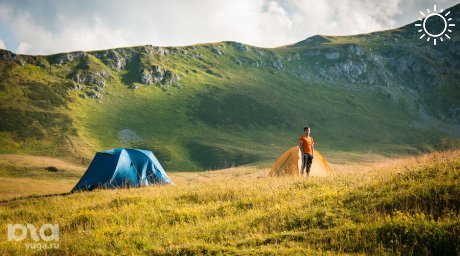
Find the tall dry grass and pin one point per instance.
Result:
(403, 206)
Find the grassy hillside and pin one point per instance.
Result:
(404, 206)
(217, 105)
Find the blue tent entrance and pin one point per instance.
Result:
(122, 167)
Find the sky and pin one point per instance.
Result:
(47, 27)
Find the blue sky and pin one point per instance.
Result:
(46, 27)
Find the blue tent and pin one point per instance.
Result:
(122, 167)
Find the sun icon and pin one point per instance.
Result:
(443, 19)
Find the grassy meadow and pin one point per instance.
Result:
(25, 175)
(406, 206)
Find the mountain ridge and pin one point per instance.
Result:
(384, 92)
(311, 38)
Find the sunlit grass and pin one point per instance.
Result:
(402, 206)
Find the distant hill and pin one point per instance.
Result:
(215, 105)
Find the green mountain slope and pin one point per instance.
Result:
(216, 105)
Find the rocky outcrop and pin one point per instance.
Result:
(348, 63)
(175, 50)
(112, 59)
(157, 75)
(93, 95)
(239, 46)
(146, 77)
(348, 69)
(64, 58)
(293, 57)
(355, 49)
(274, 62)
(217, 51)
(259, 51)
(90, 77)
(6, 55)
(161, 51)
(90, 72)
(22, 60)
(332, 55)
(75, 86)
(170, 78)
(42, 62)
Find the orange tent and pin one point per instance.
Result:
(290, 162)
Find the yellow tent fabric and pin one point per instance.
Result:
(289, 164)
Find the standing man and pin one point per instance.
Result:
(307, 150)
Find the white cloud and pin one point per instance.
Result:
(330, 17)
(23, 48)
(56, 26)
(75, 35)
(2, 44)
